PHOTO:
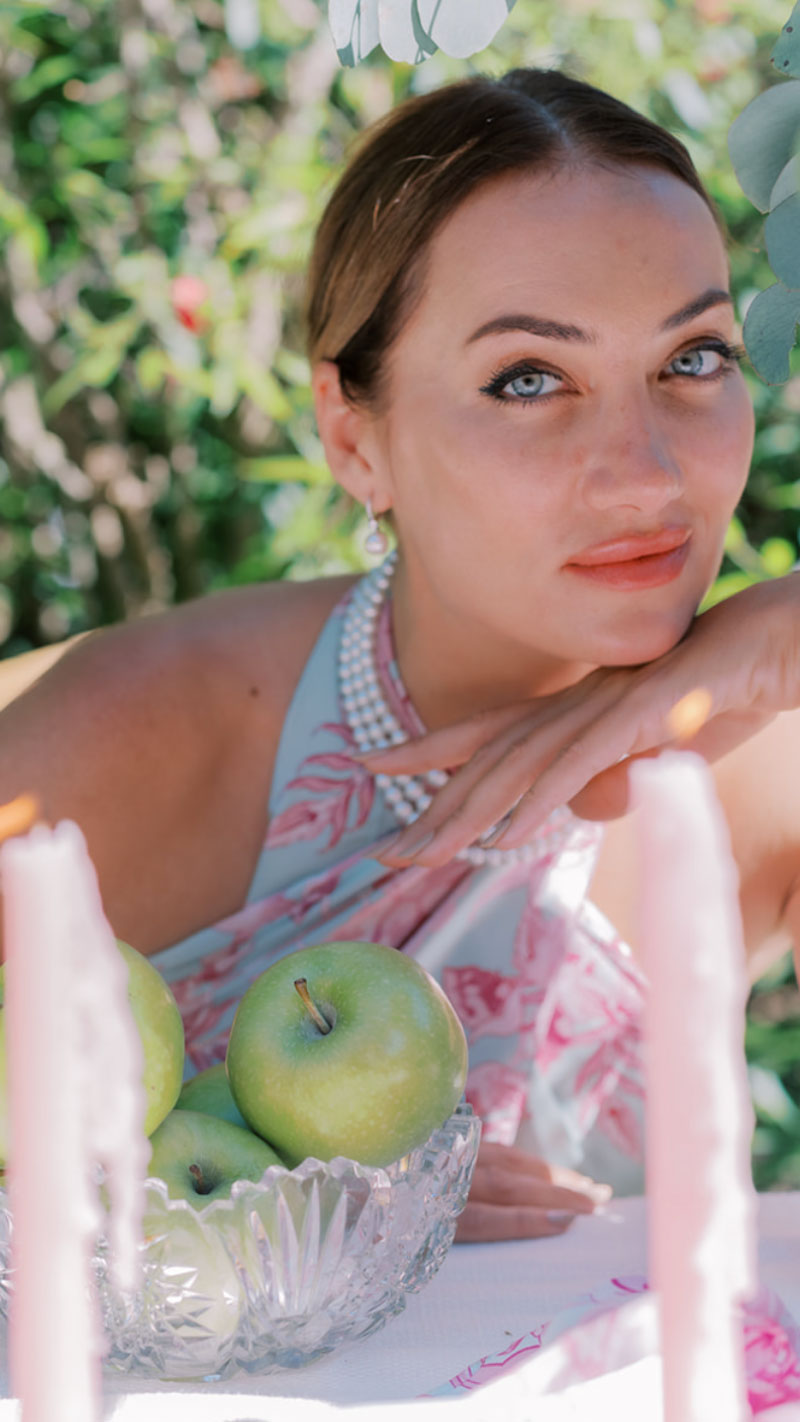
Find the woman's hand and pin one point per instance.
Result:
(517, 1196)
(518, 763)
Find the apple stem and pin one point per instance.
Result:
(311, 1008)
(197, 1175)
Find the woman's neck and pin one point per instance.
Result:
(453, 668)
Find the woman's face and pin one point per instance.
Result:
(566, 432)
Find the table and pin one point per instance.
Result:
(484, 1296)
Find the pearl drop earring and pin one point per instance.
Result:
(375, 541)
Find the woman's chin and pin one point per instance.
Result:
(646, 642)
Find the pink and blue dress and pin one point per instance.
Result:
(549, 996)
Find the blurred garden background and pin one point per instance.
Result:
(158, 190)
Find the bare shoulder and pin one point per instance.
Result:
(257, 639)
(759, 788)
(758, 784)
(158, 738)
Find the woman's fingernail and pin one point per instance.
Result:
(415, 846)
(494, 832)
(560, 1217)
(601, 1193)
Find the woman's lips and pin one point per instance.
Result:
(634, 563)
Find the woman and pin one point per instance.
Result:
(522, 346)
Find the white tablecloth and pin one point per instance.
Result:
(484, 1296)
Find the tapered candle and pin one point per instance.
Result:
(75, 1099)
(699, 1118)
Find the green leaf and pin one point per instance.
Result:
(786, 54)
(763, 139)
(462, 28)
(778, 556)
(151, 367)
(786, 497)
(54, 70)
(782, 235)
(284, 469)
(95, 369)
(354, 26)
(769, 331)
(264, 390)
(788, 183)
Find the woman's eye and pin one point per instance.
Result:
(518, 386)
(705, 361)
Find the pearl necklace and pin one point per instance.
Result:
(373, 724)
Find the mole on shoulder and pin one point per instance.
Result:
(254, 691)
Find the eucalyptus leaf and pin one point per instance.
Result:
(402, 35)
(354, 26)
(786, 54)
(463, 27)
(769, 331)
(782, 236)
(410, 30)
(764, 138)
(787, 184)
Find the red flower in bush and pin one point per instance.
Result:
(189, 295)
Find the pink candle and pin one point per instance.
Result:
(699, 1116)
(75, 1100)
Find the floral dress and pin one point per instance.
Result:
(549, 996)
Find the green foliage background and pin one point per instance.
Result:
(152, 448)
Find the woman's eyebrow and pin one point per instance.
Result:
(561, 331)
(534, 326)
(715, 296)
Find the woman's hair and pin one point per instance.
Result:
(415, 166)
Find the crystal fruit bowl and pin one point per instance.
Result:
(285, 1270)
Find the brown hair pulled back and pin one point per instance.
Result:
(416, 165)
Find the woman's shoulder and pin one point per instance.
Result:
(158, 737)
(245, 643)
(252, 643)
(758, 784)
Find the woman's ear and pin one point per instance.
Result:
(349, 436)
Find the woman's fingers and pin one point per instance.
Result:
(507, 1187)
(615, 737)
(587, 772)
(515, 1195)
(487, 788)
(449, 747)
(454, 806)
(515, 1158)
(482, 1221)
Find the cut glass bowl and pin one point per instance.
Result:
(287, 1269)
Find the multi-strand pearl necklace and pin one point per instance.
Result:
(373, 723)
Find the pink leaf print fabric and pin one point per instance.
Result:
(331, 799)
(497, 1092)
(617, 1325)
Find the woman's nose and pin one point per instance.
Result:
(632, 464)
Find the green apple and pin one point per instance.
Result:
(160, 1027)
(199, 1157)
(210, 1093)
(346, 1049)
